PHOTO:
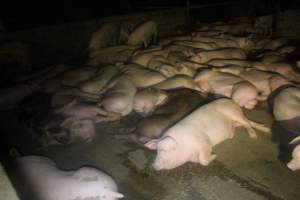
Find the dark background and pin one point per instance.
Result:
(18, 15)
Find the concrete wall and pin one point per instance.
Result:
(71, 39)
(289, 24)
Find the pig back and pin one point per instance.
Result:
(180, 103)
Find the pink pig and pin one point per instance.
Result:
(192, 138)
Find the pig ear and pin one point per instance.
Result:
(296, 139)
(168, 143)
(152, 144)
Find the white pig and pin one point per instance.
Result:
(192, 138)
(47, 182)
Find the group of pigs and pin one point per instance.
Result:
(189, 90)
(167, 84)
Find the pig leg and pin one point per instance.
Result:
(205, 157)
(235, 113)
(260, 126)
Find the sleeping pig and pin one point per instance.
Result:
(180, 102)
(227, 53)
(45, 181)
(241, 91)
(146, 100)
(144, 34)
(118, 96)
(192, 138)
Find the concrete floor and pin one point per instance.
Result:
(245, 169)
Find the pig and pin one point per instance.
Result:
(227, 53)
(71, 77)
(186, 50)
(180, 102)
(64, 93)
(210, 33)
(144, 58)
(224, 62)
(241, 91)
(107, 35)
(143, 34)
(264, 81)
(285, 69)
(82, 110)
(146, 100)
(78, 75)
(216, 42)
(270, 44)
(198, 44)
(245, 43)
(278, 55)
(44, 180)
(118, 96)
(169, 69)
(111, 55)
(178, 81)
(74, 122)
(140, 76)
(98, 82)
(168, 40)
(198, 131)
(285, 103)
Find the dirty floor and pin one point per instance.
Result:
(245, 169)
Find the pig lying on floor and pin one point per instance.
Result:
(192, 138)
(285, 69)
(45, 181)
(285, 103)
(146, 100)
(179, 103)
(227, 53)
(220, 83)
(118, 96)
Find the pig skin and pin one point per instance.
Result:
(220, 83)
(140, 76)
(179, 103)
(47, 182)
(198, 131)
(146, 100)
(118, 96)
(227, 53)
(178, 81)
(143, 34)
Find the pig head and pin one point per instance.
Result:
(173, 151)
